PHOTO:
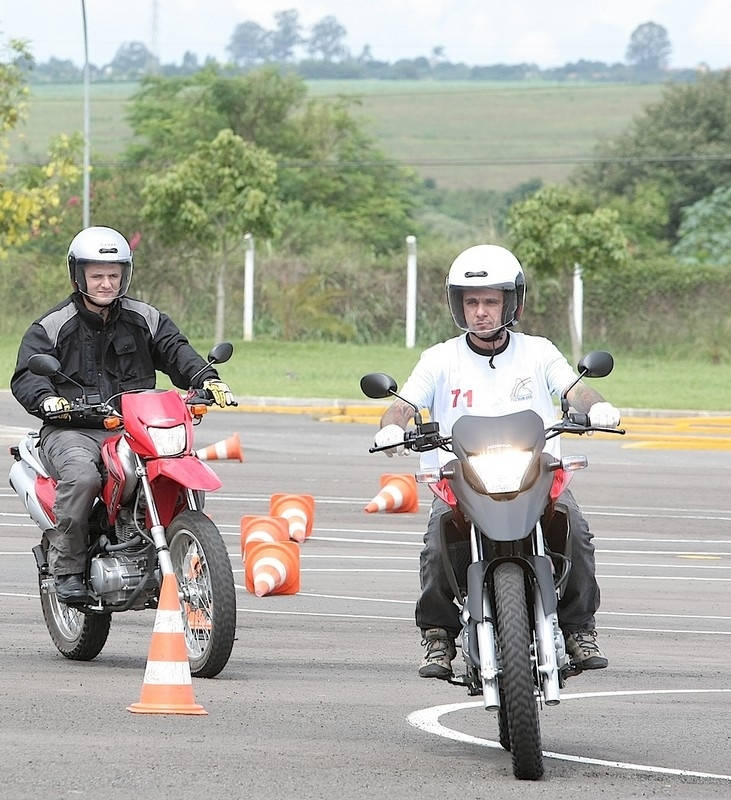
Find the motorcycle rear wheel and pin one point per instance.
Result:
(77, 636)
(203, 569)
(521, 709)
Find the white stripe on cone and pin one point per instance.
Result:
(259, 575)
(164, 673)
(394, 493)
(297, 521)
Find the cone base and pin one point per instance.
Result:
(145, 708)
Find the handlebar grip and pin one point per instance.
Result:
(580, 419)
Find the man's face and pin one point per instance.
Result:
(103, 282)
(483, 309)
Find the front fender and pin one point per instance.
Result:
(187, 471)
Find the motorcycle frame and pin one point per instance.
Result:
(512, 523)
(167, 483)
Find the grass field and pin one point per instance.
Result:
(333, 371)
(463, 134)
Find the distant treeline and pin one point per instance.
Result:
(134, 61)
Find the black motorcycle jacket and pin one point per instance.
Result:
(120, 354)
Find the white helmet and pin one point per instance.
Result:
(102, 246)
(487, 266)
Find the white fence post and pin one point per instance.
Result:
(579, 306)
(411, 291)
(249, 288)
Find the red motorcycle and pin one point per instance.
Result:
(147, 522)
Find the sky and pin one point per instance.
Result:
(549, 33)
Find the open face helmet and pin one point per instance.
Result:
(486, 266)
(99, 245)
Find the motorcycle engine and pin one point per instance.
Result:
(115, 577)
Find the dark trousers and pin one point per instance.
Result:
(435, 607)
(73, 458)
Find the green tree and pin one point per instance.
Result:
(325, 157)
(29, 200)
(704, 236)
(287, 35)
(326, 39)
(680, 145)
(132, 60)
(211, 198)
(556, 229)
(649, 48)
(250, 44)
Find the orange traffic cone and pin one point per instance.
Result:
(272, 568)
(263, 529)
(398, 494)
(298, 510)
(167, 687)
(225, 449)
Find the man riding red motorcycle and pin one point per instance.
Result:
(106, 343)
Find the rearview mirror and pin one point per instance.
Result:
(596, 365)
(221, 352)
(44, 364)
(378, 385)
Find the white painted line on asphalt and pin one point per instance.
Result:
(427, 719)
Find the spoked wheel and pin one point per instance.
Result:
(521, 709)
(77, 636)
(203, 570)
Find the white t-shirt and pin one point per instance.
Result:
(451, 380)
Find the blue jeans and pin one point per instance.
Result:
(435, 607)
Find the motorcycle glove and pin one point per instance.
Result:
(221, 393)
(604, 415)
(51, 407)
(391, 436)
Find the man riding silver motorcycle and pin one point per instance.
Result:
(106, 343)
(493, 370)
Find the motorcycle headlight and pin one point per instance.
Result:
(168, 441)
(501, 470)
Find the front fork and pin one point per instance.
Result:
(479, 640)
(157, 529)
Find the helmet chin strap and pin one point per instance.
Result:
(101, 306)
(498, 334)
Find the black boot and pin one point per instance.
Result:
(70, 590)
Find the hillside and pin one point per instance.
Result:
(463, 134)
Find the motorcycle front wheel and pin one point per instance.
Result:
(77, 636)
(203, 569)
(514, 636)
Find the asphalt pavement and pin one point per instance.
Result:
(321, 697)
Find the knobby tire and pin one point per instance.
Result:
(203, 570)
(77, 636)
(514, 636)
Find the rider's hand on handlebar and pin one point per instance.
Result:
(52, 406)
(221, 393)
(604, 415)
(391, 436)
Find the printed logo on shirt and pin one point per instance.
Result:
(522, 390)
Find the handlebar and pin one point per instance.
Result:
(426, 437)
(88, 408)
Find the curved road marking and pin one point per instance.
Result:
(427, 719)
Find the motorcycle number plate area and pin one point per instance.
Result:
(188, 471)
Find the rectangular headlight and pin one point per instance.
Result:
(501, 470)
(168, 441)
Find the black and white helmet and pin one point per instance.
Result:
(487, 266)
(102, 246)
